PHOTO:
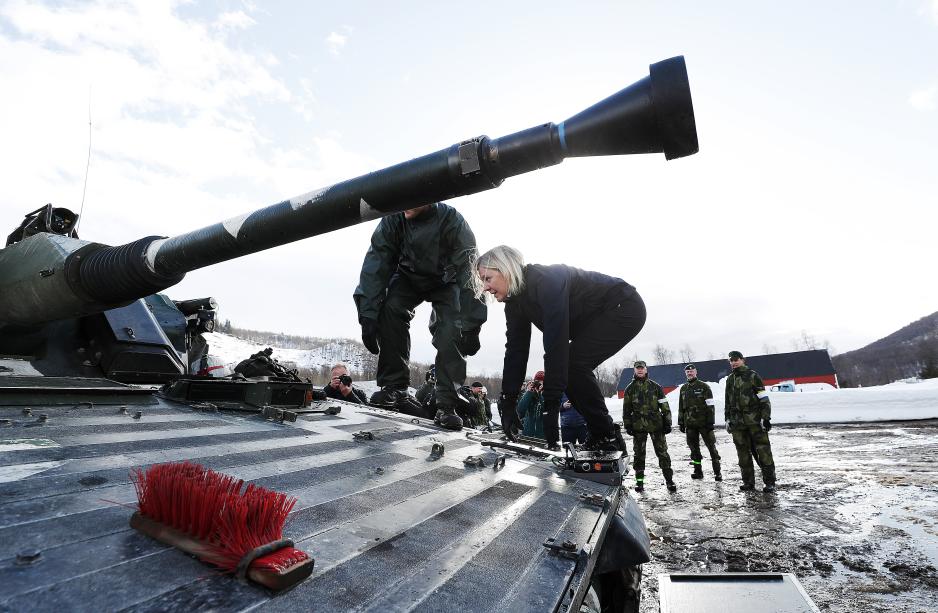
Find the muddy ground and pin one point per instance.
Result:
(855, 517)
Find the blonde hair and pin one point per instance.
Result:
(504, 259)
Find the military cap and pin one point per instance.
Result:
(736, 355)
(690, 367)
(639, 364)
(476, 384)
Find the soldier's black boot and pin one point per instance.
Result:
(669, 481)
(446, 417)
(717, 474)
(768, 476)
(698, 471)
(639, 482)
(747, 487)
(387, 397)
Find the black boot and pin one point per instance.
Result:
(639, 482)
(768, 477)
(747, 487)
(446, 417)
(718, 476)
(698, 471)
(387, 397)
(671, 486)
(611, 441)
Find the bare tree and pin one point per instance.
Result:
(662, 354)
(768, 349)
(687, 354)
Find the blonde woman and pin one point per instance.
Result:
(586, 317)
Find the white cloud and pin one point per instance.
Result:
(926, 99)
(234, 20)
(176, 131)
(335, 42)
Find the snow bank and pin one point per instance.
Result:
(231, 350)
(901, 400)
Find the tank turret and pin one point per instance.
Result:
(47, 274)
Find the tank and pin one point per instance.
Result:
(101, 372)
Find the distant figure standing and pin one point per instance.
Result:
(531, 407)
(573, 427)
(695, 418)
(748, 413)
(645, 413)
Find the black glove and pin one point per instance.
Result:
(667, 429)
(510, 421)
(630, 431)
(470, 343)
(370, 335)
(682, 428)
(766, 425)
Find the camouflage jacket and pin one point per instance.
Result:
(747, 402)
(695, 407)
(431, 250)
(645, 407)
(472, 411)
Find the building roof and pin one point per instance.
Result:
(773, 366)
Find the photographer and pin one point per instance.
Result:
(341, 387)
(531, 407)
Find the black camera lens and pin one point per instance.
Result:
(345, 380)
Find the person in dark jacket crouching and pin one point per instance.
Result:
(586, 317)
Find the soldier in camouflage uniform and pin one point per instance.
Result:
(420, 255)
(748, 413)
(472, 409)
(645, 412)
(695, 418)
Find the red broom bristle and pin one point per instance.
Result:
(211, 507)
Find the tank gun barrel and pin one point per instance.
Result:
(652, 115)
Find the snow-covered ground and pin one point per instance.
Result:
(902, 400)
(230, 350)
(912, 399)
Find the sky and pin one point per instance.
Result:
(810, 208)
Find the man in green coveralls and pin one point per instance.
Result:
(748, 413)
(645, 413)
(695, 419)
(420, 255)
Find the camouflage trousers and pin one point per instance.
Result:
(445, 326)
(710, 440)
(753, 442)
(660, 444)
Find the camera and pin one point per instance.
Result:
(345, 380)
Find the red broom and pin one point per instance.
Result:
(206, 514)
